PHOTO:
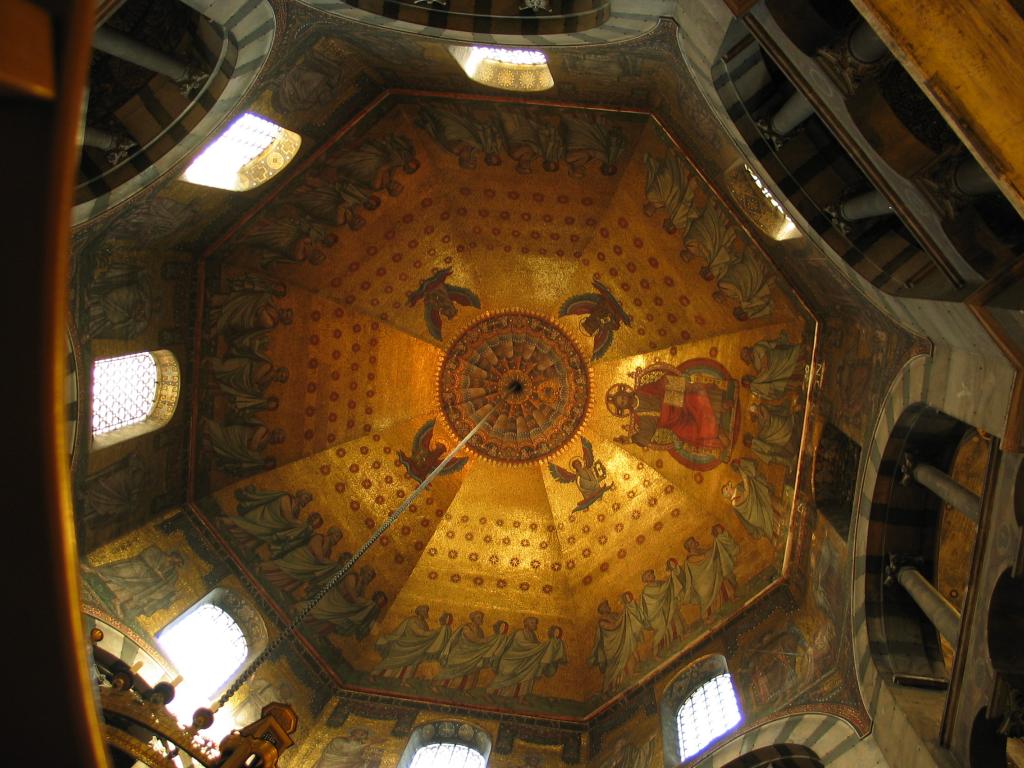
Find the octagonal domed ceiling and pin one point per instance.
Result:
(566, 276)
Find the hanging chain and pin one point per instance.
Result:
(288, 632)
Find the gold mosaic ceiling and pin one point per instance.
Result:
(645, 364)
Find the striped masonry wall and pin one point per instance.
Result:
(798, 739)
(954, 383)
(248, 28)
(623, 19)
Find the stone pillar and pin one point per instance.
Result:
(865, 206)
(970, 179)
(94, 137)
(943, 616)
(123, 47)
(943, 486)
(117, 147)
(853, 58)
(791, 114)
(865, 46)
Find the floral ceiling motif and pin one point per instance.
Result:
(634, 489)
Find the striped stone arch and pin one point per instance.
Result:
(953, 382)
(75, 394)
(126, 645)
(627, 19)
(911, 386)
(248, 28)
(801, 739)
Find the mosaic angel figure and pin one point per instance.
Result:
(439, 299)
(602, 315)
(588, 475)
(425, 458)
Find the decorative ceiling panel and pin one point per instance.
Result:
(633, 490)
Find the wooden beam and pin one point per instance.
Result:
(740, 7)
(26, 50)
(968, 57)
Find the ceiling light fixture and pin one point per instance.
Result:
(512, 69)
(251, 151)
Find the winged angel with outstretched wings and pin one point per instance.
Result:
(425, 458)
(440, 300)
(602, 315)
(587, 474)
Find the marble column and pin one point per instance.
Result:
(865, 46)
(791, 114)
(868, 205)
(943, 616)
(117, 147)
(946, 488)
(970, 179)
(128, 49)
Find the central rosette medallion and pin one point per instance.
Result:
(532, 374)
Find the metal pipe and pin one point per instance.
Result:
(288, 632)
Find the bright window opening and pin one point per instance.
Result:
(207, 647)
(446, 755)
(123, 391)
(787, 229)
(709, 712)
(248, 153)
(132, 395)
(511, 69)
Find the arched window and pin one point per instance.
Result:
(446, 744)
(447, 755)
(132, 395)
(248, 153)
(759, 203)
(699, 706)
(709, 712)
(208, 645)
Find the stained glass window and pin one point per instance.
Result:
(447, 755)
(248, 153)
(707, 713)
(133, 394)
